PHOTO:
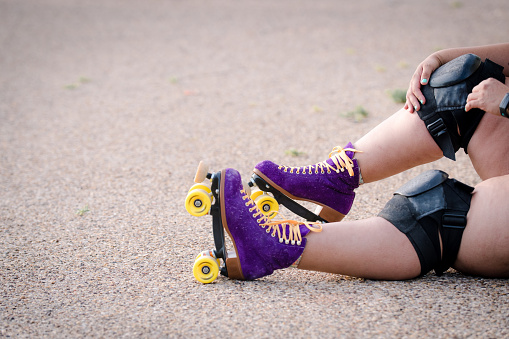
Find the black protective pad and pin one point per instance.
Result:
(446, 96)
(456, 71)
(426, 206)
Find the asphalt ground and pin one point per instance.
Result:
(106, 108)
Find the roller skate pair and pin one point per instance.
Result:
(261, 245)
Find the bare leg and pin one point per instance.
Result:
(374, 248)
(399, 143)
(371, 248)
(485, 244)
(489, 147)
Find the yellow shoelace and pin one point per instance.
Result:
(338, 156)
(293, 235)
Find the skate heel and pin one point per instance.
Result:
(329, 214)
(233, 265)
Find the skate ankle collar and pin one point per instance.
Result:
(340, 162)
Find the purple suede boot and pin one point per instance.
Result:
(260, 246)
(329, 184)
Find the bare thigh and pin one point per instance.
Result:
(484, 247)
(489, 147)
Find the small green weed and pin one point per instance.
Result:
(350, 51)
(316, 109)
(358, 114)
(398, 95)
(82, 211)
(456, 4)
(294, 153)
(403, 64)
(81, 81)
(71, 86)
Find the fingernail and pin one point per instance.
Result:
(415, 108)
(423, 81)
(422, 102)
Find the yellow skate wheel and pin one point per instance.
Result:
(208, 254)
(205, 269)
(201, 172)
(199, 200)
(265, 203)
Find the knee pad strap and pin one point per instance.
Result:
(428, 208)
(444, 111)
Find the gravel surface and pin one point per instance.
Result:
(106, 108)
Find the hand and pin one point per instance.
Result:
(414, 96)
(487, 96)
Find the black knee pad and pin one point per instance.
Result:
(426, 206)
(446, 96)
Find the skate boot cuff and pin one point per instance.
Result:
(339, 160)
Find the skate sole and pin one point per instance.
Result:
(324, 212)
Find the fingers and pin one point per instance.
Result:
(487, 96)
(421, 77)
(427, 69)
(471, 102)
(414, 96)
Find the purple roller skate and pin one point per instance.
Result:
(261, 246)
(329, 184)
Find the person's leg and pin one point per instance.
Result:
(417, 231)
(489, 147)
(484, 247)
(371, 248)
(399, 143)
